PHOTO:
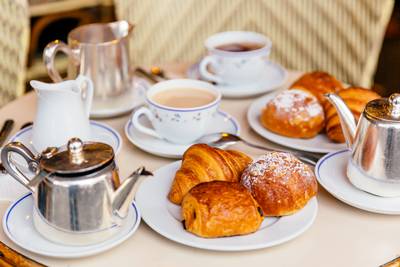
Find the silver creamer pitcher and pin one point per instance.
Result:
(374, 142)
(98, 51)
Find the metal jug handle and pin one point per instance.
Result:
(49, 53)
(85, 85)
(12, 169)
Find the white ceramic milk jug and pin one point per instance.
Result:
(62, 112)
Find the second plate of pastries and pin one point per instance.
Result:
(224, 200)
(302, 118)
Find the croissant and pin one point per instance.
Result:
(318, 83)
(218, 209)
(202, 163)
(356, 99)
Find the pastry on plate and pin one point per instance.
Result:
(356, 98)
(293, 113)
(202, 163)
(318, 83)
(280, 183)
(218, 209)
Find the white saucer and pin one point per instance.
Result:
(18, 226)
(222, 122)
(115, 106)
(275, 76)
(101, 132)
(317, 144)
(164, 218)
(331, 174)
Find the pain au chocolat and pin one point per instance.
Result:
(202, 163)
(219, 209)
(280, 183)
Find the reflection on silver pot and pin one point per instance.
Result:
(78, 197)
(98, 51)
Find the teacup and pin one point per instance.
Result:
(235, 57)
(179, 110)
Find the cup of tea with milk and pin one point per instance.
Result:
(235, 57)
(179, 110)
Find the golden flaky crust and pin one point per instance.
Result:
(293, 113)
(318, 83)
(280, 183)
(356, 99)
(202, 163)
(218, 209)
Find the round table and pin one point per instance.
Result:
(340, 236)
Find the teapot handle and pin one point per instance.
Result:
(85, 85)
(12, 169)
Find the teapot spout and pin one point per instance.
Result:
(124, 195)
(347, 119)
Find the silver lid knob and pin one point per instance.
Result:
(394, 105)
(75, 147)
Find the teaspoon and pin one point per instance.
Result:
(220, 139)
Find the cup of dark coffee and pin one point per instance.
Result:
(235, 57)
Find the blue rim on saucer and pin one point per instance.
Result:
(69, 251)
(247, 90)
(339, 186)
(103, 126)
(170, 150)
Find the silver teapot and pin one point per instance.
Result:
(78, 197)
(374, 143)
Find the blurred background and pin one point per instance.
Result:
(160, 34)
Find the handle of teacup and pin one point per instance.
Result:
(12, 169)
(85, 84)
(136, 123)
(203, 68)
(49, 53)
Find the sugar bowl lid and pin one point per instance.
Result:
(384, 109)
(76, 157)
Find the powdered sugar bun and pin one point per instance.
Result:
(294, 113)
(280, 183)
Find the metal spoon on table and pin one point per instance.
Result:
(220, 139)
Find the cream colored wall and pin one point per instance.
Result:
(342, 37)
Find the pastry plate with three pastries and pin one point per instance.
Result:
(223, 200)
(302, 118)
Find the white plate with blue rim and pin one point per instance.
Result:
(331, 174)
(317, 144)
(165, 218)
(100, 132)
(18, 226)
(221, 122)
(275, 76)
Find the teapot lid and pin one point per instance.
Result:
(384, 109)
(76, 157)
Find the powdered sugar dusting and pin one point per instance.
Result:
(297, 102)
(280, 167)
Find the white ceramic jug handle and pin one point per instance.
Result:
(49, 53)
(86, 88)
(136, 123)
(203, 68)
